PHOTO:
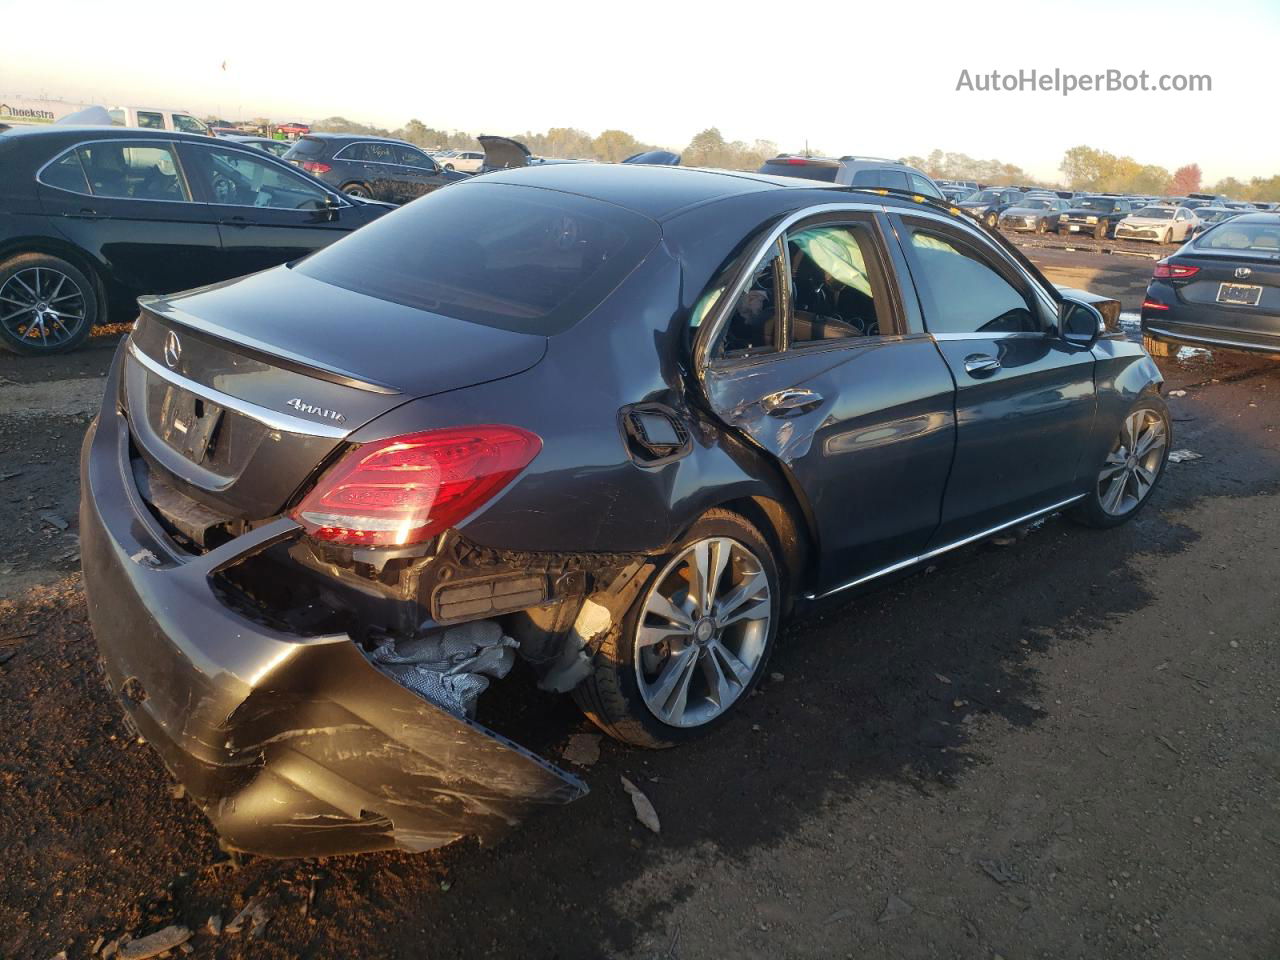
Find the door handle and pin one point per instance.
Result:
(84, 213)
(237, 221)
(980, 365)
(789, 401)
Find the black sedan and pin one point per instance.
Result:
(90, 218)
(1096, 216)
(1221, 289)
(374, 168)
(616, 421)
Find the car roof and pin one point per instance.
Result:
(354, 137)
(75, 132)
(663, 192)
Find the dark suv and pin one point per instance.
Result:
(854, 172)
(371, 167)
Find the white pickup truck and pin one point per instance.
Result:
(26, 110)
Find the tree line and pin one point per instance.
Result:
(1083, 167)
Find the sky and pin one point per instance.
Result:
(844, 78)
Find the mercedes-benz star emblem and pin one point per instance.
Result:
(172, 350)
(1242, 272)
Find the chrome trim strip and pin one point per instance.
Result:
(1237, 344)
(1003, 335)
(272, 418)
(938, 551)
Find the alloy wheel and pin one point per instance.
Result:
(1132, 466)
(702, 632)
(42, 307)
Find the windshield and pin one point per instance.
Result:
(1155, 213)
(984, 196)
(1101, 204)
(1259, 238)
(1034, 203)
(519, 258)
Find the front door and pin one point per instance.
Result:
(1024, 395)
(267, 214)
(813, 366)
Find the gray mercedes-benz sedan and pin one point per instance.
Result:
(612, 421)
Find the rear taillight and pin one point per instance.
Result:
(409, 488)
(1173, 271)
(316, 167)
(1154, 305)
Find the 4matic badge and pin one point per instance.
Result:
(323, 412)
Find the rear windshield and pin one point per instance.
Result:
(825, 172)
(307, 147)
(1261, 238)
(519, 258)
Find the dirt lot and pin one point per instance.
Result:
(1063, 746)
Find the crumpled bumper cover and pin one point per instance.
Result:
(293, 746)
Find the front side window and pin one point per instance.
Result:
(920, 185)
(239, 179)
(962, 292)
(832, 292)
(152, 121)
(125, 171)
(409, 157)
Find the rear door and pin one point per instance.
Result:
(136, 211)
(266, 213)
(1024, 396)
(813, 362)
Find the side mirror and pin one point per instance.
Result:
(331, 206)
(1079, 323)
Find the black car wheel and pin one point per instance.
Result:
(694, 643)
(47, 305)
(358, 190)
(1132, 468)
(449, 167)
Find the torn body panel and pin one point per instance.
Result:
(292, 745)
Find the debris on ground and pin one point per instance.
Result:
(582, 749)
(1199, 354)
(253, 911)
(1183, 456)
(644, 809)
(450, 668)
(999, 871)
(1177, 393)
(895, 909)
(839, 915)
(776, 677)
(154, 944)
(213, 925)
(53, 520)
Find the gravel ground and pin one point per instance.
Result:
(1061, 746)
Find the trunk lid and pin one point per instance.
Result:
(1240, 272)
(239, 391)
(503, 153)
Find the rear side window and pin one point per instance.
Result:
(152, 121)
(65, 173)
(962, 292)
(833, 296)
(123, 170)
(808, 171)
(518, 258)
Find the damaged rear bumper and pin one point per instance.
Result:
(292, 745)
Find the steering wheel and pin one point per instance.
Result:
(224, 189)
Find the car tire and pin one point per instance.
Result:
(623, 694)
(1101, 508)
(56, 284)
(1041, 227)
(1167, 238)
(449, 167)
(1156, 348)
(357, 190)
(990, 220)
(1100, 232)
